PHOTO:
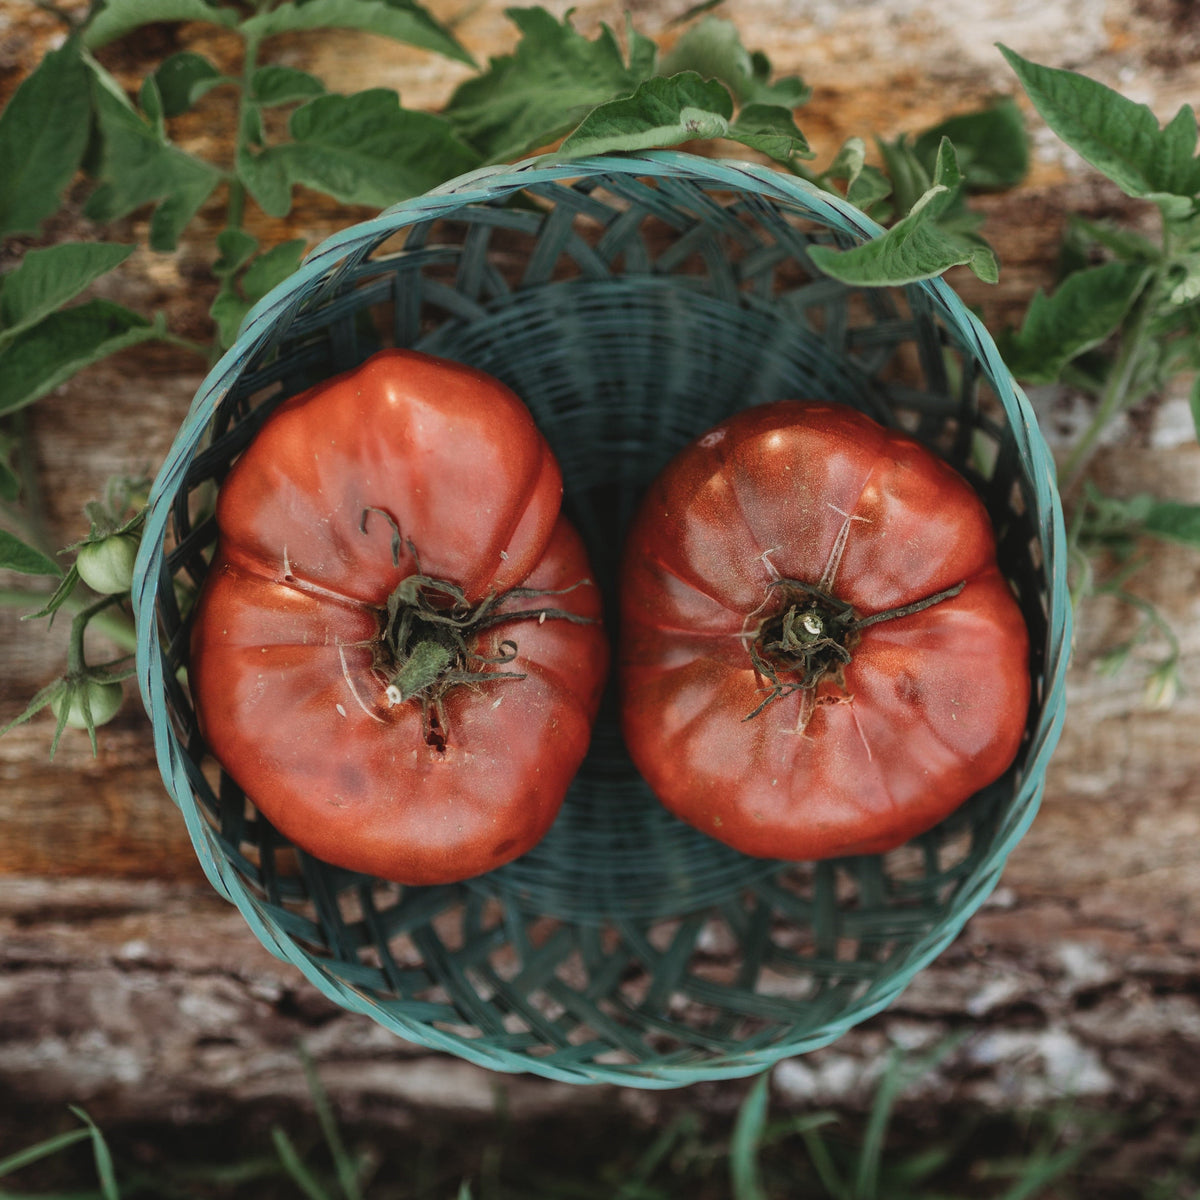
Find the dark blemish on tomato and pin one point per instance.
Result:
(907, 688)
(352, 780)
(504, 847)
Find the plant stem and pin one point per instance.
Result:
(109, 624)
(182, 343)
(235, 214)
(1119, 392)
(116, 626)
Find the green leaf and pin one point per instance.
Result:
(910, 177)
(15, 555)
(661, 112)
(231, 305)
(272, 268)
(283, 85)
(119, 17)
(713, 50)
(360, 149)
(916, 247)
(1194, 403)
(542, 90)
(1173, 522)
(403, 20)
(235, 247)
(137, 168)
(1081, 312)
(865, 185)
(991, 145)
(183, 78)
(770, 130)
(1119, 137)
(63, 343)
(44, 1149)
(43, 134)
(47, 279)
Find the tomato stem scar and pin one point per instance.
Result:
(429, 634)
(810, 635)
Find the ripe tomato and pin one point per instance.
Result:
(396, 652)
(820, 656)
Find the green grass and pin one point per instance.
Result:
(894, 1152)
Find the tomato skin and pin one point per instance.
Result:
(932, 704)
(288, 623)
(107, 566)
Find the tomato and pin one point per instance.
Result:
(106, 566)
(820, 656)
(103, 699)
(397, 651)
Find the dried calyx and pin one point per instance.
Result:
(810, 635)
(430, 631)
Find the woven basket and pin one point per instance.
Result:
(632, 302)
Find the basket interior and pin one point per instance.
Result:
(630, 315)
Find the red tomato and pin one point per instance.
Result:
(396, 652)
(772, 694)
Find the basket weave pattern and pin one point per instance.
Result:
(632, 303)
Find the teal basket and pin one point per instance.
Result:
(632, 302)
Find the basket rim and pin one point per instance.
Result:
(486, 185)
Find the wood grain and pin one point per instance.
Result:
(125, 983)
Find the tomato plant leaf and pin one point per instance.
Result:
(15, 555)
(1085, 308)
(119, 17)
(138, 167)
(541, 91)
(1194, 404)
(46, 279)
(63, 343)
(183, 78)
(234, 247)
(713, 49)
(231, 305)
(271, 268)
(661, 112)
(1171, 521)
(43, 134)
(917, 246)
(274, 84)
(403, 20)
(360, 149)
(1119, 137)
(910, 251)
(991, 144)
(771, 130)
(865, 185)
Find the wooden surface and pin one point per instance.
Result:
(126, 984)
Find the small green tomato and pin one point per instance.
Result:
(104, 700)
(107, 566)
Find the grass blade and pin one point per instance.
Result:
(32, 1154)
(304, 1179)
(104, 1162)
(747, 1138)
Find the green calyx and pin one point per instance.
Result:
(430, 636)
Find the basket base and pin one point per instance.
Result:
(619, 375)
